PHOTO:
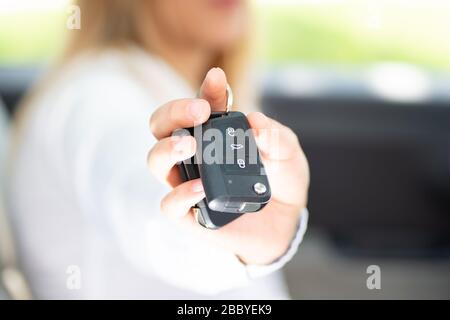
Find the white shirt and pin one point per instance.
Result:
(85, 208)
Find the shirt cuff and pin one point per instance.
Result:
(256, 271)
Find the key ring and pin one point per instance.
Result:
(229, 98)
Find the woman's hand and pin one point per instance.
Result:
(258, 238)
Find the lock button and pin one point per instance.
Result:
(259, 188)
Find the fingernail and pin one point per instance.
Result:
(195, 109)
(263, 116)
(210, 72)
(213, 75)
(197, 186)
(182, 144)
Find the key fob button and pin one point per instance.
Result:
(241, 163)
(260, 188)
(231, 132)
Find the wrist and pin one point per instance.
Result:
(273, 245)
(256, 271)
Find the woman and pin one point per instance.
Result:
(81, 196)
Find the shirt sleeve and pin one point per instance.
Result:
(256, 271)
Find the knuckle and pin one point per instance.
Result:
(292, 135)
(152, 123)
(150, 158)
(154, 158)
(164, 205)
(177, 108)
(173, 110)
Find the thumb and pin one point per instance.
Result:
(214, 89)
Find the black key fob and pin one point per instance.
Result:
(228, 162)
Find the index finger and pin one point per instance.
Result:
(183, 113)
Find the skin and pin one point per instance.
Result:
(188, 34)
(257, 238)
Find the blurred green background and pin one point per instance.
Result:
(356, 32)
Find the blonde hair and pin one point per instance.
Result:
(114, 24)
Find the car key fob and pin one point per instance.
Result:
(229, 165)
